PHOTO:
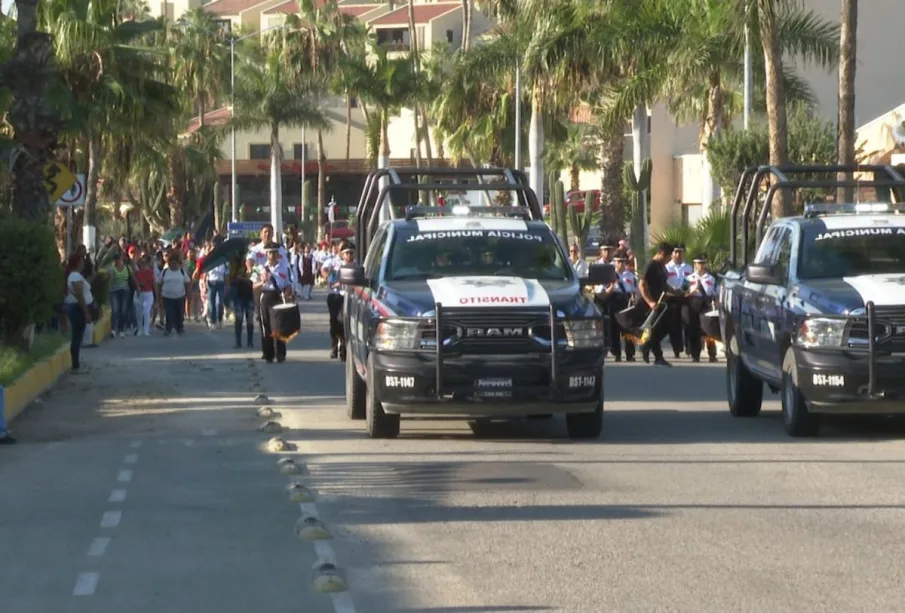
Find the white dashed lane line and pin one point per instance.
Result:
(86, 583)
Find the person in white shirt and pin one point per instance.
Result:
(579, 265)
(173, 287)
(274, 282)
(79, 308)
(616, 298)
(335, 298)
(699, 300)
(677, 271)
(257, 258)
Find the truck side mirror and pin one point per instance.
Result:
(763, 274)
(598, 274)
(352, 275)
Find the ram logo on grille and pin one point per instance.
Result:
(490, 332)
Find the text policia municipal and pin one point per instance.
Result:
(525, 236)
(861, 232)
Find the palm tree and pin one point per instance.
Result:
(388, 84)
(115, 85)
(848, 51)
(777, 119)
(575, 153)
(200, 54)
(271, 95)
(35, 122)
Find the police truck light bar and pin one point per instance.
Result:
(865, 208)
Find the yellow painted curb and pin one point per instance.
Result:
(34, 382)
(101, 329)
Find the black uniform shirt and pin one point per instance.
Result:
(655, 277)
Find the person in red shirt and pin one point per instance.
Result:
(144, 278)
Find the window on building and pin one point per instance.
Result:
(259, 152)
(298, 149)
(449, 36)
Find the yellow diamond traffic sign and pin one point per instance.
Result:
(58, 180)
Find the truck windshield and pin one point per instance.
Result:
(526, 254)
(850, 252)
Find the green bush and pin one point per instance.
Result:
(709, 236)
(100, 287)
(31, 274)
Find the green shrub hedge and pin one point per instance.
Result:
(31, 277)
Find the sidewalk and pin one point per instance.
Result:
(144, 487)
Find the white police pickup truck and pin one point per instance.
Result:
(820, 316)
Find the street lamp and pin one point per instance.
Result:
(232, 88)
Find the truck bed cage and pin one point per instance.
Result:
(888, 181)
(375, 201)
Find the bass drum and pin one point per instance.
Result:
(285, 322)
(710, 325)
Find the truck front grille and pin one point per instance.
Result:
(502, 331)
(890, 328)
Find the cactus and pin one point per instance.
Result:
(581, 224)
(637, 185)
(558, 217)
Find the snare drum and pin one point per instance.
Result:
(285, 321)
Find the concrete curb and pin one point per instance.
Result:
(43, 375)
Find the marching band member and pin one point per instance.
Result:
(652, 285)
(700, 296)
(617, 296)
(274, 281)
(336, 297)
(677, 270)
(629, 283)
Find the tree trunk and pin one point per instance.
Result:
(35, 123)
(175, 178)
(776, 103)
(413, 43)
(276, 183)
(348, 128)
(713, 123)
(612, 205)
(641, 150)
(321, 182)
(536, 144)
(89, 228)
(574, 177)
(848, 52)
(466, 24)
(425, 134)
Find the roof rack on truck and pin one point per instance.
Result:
(376, 204)
(887, 181)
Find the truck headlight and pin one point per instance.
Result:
(584, 334)
(395, 334)
(817, 332)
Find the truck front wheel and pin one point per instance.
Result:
(796, 418)
(380, 424)
(744, 391)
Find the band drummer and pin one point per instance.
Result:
(275, 284)
(336, 297)
(620, 294)
(699, 300)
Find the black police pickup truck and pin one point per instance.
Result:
(819, 315)
(468, 311)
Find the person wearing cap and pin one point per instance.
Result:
(677, 270)
(617, 296)
(275, 285)
(336, 297)
(257, 258)
(699, 298)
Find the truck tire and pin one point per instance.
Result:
(355, 388)
(796, 418)
(585, 426)
(379, 424)
(744, 391)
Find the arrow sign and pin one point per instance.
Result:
(76, 194)
(58, 180)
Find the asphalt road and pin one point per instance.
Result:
(678, 507)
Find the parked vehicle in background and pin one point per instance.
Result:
(819, 314)
(339, 230)
(576, 199)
